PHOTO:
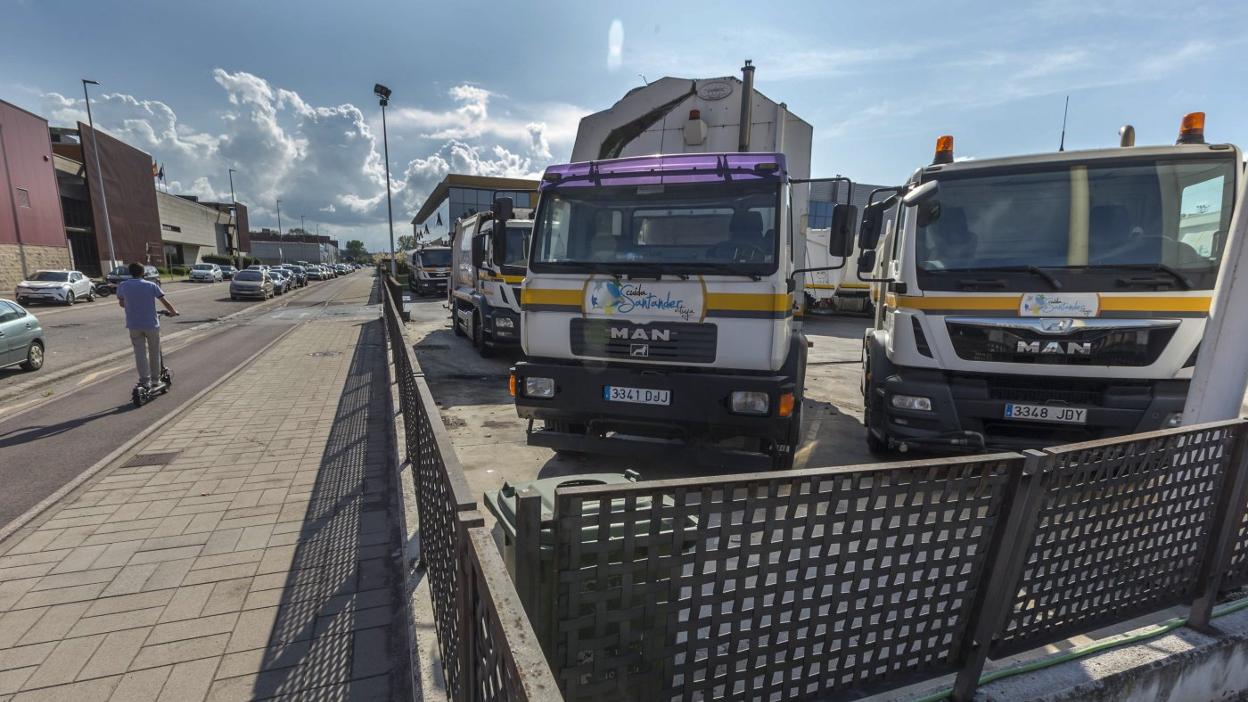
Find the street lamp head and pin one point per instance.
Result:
(90, 82)
(383, 93)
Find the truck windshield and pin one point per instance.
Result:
(516, 246)
(1073, 222)
(438, 258)
(719, 227)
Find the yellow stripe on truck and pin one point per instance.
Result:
(747, 302)
(551, 296)
(953, 304)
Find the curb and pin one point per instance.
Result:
(31, 514)
(62, 374)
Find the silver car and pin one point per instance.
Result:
(251, 283)
(21, 337)
(281, 280)
(206, 272)
(64, 287)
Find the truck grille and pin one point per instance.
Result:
(682, 342)
(1083, 347)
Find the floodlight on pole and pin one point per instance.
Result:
(383, 97)
(99, 177)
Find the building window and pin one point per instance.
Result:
(820, 215)
(170, 227)
(23, 197)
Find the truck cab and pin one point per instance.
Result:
(1042, 299)
(429, 269)
(489, 260)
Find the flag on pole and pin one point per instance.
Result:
(426, 229)
(439, 219)
(161, 173)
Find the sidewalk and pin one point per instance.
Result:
(246, 551)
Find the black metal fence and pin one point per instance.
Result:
(821, 583)
(838, 582)
(488, 652)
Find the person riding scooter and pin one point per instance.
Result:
(138, 298)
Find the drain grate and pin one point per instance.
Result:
(151, 459)
(324, 354)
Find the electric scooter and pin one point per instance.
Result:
(141, 395)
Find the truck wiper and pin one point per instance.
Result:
(1174, 273)
(719, 267)
(1034, 270)
(633, 269)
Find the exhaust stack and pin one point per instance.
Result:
(747, 105)
(1126, 135)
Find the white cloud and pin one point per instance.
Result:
(615, 45)
(325, 160)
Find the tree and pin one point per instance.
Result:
(407, 241)
(355, 250)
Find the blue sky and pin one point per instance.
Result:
(282, 91)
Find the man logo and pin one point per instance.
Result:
(641, 334)
(639, 350)
(1071, 348)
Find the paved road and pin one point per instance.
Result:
(91, 329)
(45, 447)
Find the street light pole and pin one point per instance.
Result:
(280, 256)
(237, 238)
(95, 141)
(301, 228)
(383, 95)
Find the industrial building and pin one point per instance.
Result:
(461, 195)
(32, 233)
(273, 248)
(190, 229)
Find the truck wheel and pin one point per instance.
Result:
(877, 445)
(478, 337)
(455, 325)
(783, 460)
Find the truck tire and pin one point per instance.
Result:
(478, 337)
(783, 460)
(459, 331)
(877, 445)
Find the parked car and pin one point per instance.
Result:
(281, 280)
(64, 287)
(258, 267)
(299, 272)
(121, 273)
(315, 273)
(207, 273)
(227, 272)
(251, 284)
(21, 337)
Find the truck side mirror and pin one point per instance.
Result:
(503, 209)
(478, 252)
(871, 227)
(866, 262)
(841, 236)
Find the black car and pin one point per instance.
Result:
(121, 273)
(228, 272)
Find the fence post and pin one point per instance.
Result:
(1005, 566)
(528, 556)
(1228, 512)
(466, 598)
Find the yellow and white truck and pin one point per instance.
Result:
(489, 251)
(1041, 299)
(661, 306)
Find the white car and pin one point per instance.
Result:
(60, 286)
(206, 272)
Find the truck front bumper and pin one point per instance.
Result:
(968, 411)
(427, 285)
(699, 413)
(502, 327)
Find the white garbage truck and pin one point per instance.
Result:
(490, 250)
(661, 306)
(1043, 299)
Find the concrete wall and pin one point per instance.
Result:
(199, 229)
(34, 257)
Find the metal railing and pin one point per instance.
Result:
(488, 652)
(838, 582)
(820, 583)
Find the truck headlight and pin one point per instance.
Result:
(749, 402)
(1174, 419)
(539, 387)
(504, 323)
(912, 402)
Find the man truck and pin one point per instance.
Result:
(661, 306)
(490, 252)
(1043, 299)
(428, 270)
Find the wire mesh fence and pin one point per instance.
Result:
(824, 583)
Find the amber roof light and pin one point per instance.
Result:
(944, 150)
(1192, 129)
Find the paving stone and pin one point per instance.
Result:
(115, 654)
(227, 596)
(97, 690)
(165, 554)
(117, 554)
(187, 603)
(63, 663)
(106, 623)
(169, 574)
(131, 579)
(25, 656)
(141, 685)
(128, 603)
(192, 628)
(189, 682)
(180, 651)
(69, 580)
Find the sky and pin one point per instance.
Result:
(281, 91)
